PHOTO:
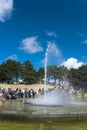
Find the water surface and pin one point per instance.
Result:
(17, 125)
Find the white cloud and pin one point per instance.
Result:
(85, 41)
(6, 7)
(72, 63)
(13, 57)
(52, 33)
(30, 45)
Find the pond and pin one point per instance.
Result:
(18, 125)
(16, 109)
(16, 115)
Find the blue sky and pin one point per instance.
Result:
(27, 26)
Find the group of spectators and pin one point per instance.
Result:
(18, 93)
(71, 93)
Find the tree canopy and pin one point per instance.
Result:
(12, 70)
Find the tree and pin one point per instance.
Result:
(40, 74)
(79, 76)
(74, 76)
(29, 74)
(10, 70)
(52, 71)
(83, 75)
(4, 73)
(57, 72)
(14, 69)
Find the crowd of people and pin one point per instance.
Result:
(72, 93)
(18, 93)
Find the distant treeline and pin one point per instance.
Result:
(13, 71)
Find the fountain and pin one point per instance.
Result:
(51, 106)
(51, 98)
(55, 97)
